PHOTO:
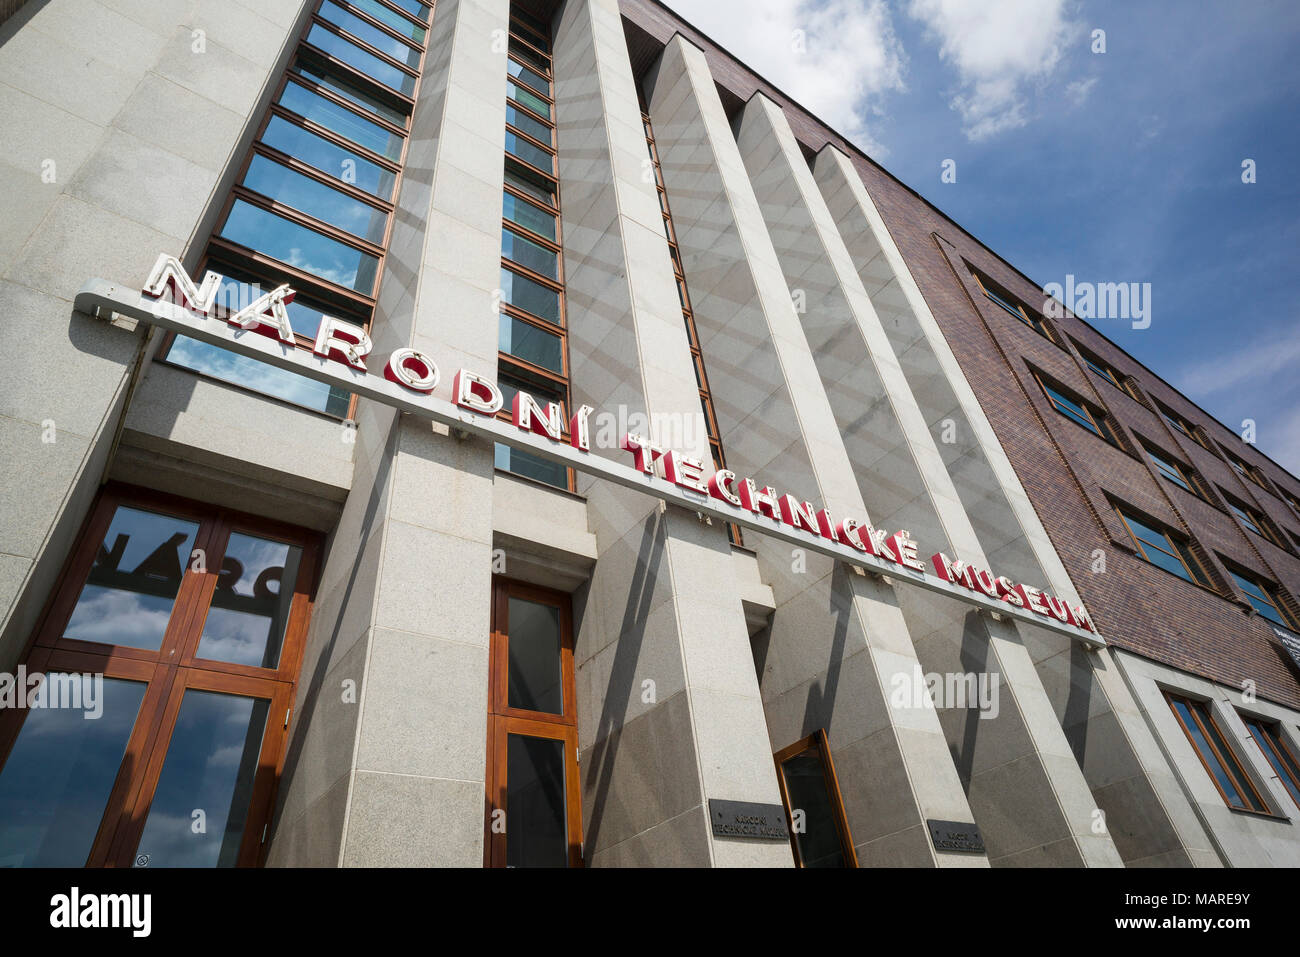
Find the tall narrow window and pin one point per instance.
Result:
(195, 619)
(1219, 760)
(1175, 471)
(1268, 735)
(314, 204)
(534, 814)
(688, 315)
(819, 830)
(533, 351)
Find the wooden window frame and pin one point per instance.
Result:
(1012, 304)
(1269, 593)
(1281, 751)
(1179, 549)
(174, 667)
(817, 741)
(1201, 713)
(1100, 425)
(503, 720)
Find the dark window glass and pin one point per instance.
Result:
(349, 91)
(524, 150)
(526, 341)
(521, 52)
(300, 247)
(250, 606)
(329, 157)
(522, 94)
(57, 780)
(805, 783)
(1160, 549)
(210, 765)
(314, 198)
(340, 120)
(525, 123)
(530, 77)
(534, 676)
(381, 41)
(529, 254)
(534, 184)
(532, 297)
(535, 803)
(369, 64)
(128, 596)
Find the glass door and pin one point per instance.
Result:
(157, 690)
(534, 811)
(819, 829)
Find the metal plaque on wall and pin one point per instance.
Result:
(955, 836)
(1291, 642)
(744, 819)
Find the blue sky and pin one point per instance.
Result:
(1122, 166)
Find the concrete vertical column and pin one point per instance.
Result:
(115, 142)
(1146, 815)
(668, 704)
(395, 774)
(837, 638)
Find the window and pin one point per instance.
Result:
(1292, 501)
(1264, 599)
(1248, 472)
(1277, 752)
(1254, 521)
(532, 349)
(1079, 412)
(198, 662)
(1181, 425)
(1004, 300)
(314, 203)
(1100, 367)
(1220, 763)
(1175, 471)
(532, 772)
(688, 314)
(806, 774)
(1164, 550)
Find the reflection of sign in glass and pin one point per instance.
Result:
(128, 596)
(250, 606)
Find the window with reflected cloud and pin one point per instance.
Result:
(151, 720)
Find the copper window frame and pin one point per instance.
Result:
(361, 305)
(1179, 549)
(509, 364)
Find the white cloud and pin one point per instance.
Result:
(837, 58)
(1077, 91)
(999, 48)
(1250, 366)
